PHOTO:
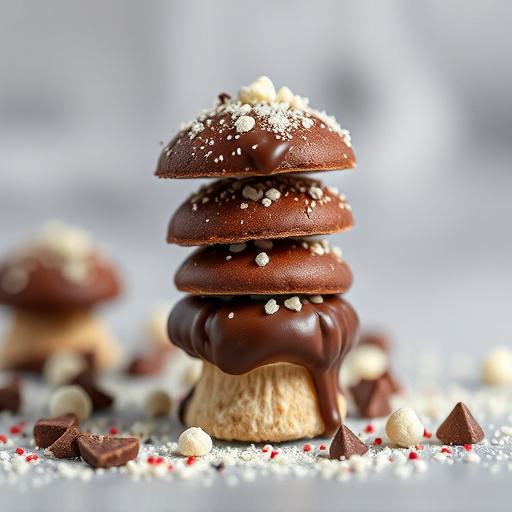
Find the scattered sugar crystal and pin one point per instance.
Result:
(244, 124)
(271, 307)
(293, 303)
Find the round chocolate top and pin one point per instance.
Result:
(258, 133)
(288, 266)
(235, 210)
(61, 269)
(238, 336)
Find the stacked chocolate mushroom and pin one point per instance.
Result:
(263, 311)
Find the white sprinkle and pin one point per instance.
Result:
(316, 192)
(316, 299)
(266, 202)
(262, 259)
(271, 307)
(228, 257)
(244, 206)
(231, 315)
(471, 458)
(293, 303)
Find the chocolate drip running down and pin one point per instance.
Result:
(265, 151)
(318, 337)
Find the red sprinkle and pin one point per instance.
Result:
(445, 450)
(114, 431)
(307, 447)
(169, 467)
(31, 457)
(3, 439)
(191, 460)
(160, 460)
(468, 447)
(20, 451)
(369, 428)
(419, 446)
(413, 456)
(391, 459)
(15, 429)
(151, 460)
(322, 447)
(377, 441)
(265, 449)
(427, 434)
(273, 454)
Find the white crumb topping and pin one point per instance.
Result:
(237, 247)
(244, 124)
(262, 259)
(293, 303)
(264, 244)
(244, 206)
(316, 192)
(251, 193)
(231, 315)
(266, 202)
(316, 299)
(271, 307)
(273, 194)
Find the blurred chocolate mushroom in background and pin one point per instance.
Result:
(52, 284)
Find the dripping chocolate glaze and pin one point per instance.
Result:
(318, 337)
(265, 151)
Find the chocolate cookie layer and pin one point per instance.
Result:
(234, 210)
(289, 266)
(238, 336)
(272, 138)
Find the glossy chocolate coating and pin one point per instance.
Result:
(219, 212)
(218, 150)
(292, 269)
(317, 337)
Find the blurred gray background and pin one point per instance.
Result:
(88, 90)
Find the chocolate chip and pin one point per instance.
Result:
(371, 397)
(460, 427)
(48, 430)
(105, 452)
(10, 399)
(345, 444)
(66, 446)
(100, 400)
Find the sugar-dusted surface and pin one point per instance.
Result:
(288, 476)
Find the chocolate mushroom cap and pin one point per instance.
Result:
(281, 139)
(40, 277)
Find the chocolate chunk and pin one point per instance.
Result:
(48, 430)
(66, 446)
(371, 397)
(105, 452)
(460, 427)
(345, 444)
(10, 399)
(146, 365)
(100, 400)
